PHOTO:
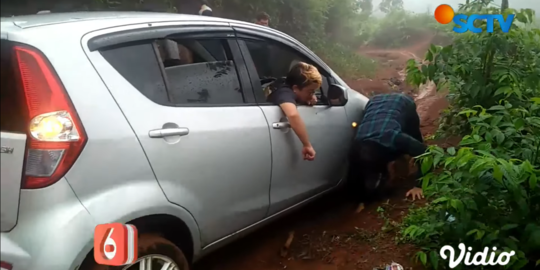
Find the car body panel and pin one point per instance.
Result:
(93, 178)
(94, 192)
(13, 151)
(253, 227)
(234, 141)
(90, 21)
(355, 106)
(13, 253)
(295, 179)
(54, 229)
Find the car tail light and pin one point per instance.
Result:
(55, 134)
(5, 266)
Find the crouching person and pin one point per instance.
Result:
(390, 129)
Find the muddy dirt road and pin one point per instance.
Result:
(390, 77)
(329, 234)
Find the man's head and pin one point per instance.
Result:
(304, 79)
(262, 19)
(205, 9)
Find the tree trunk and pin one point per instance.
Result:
(504, 5)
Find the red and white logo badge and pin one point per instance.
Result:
(115, 244)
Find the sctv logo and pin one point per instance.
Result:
(445, 14)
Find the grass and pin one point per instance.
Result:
(345, 61)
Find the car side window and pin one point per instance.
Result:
(180, 72)
(139, 66)
(274, 60)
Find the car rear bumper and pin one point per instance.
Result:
(13, 254)
(54, 231)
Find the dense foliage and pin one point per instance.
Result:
(486, 192)
(334, 29)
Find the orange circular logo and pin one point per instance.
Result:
(444, 14)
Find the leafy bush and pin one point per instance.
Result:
(489, 185)
(480, 69)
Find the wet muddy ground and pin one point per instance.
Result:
(329, 234)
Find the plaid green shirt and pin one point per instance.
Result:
(381, 120)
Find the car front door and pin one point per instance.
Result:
(189, 100)
(293, 179)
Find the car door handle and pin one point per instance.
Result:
(166, 132)
(281, 125)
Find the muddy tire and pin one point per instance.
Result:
(149, 244)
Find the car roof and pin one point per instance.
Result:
(114, 18)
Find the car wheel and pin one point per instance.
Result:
(154, 253)
(375, 182)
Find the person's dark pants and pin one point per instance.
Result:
(368, 158)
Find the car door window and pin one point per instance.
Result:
(180, 72)
(139, 66)
(273, 60)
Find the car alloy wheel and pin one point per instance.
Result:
(153, 262)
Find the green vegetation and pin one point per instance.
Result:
(334, 29)
(490, 183)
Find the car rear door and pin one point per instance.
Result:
(190, 102)
(13, 141)
(293, 179)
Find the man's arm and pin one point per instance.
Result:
(409, 145)
(296, 122)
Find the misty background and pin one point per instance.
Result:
(333, 29)
(430, 5)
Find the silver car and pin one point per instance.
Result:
(156, 120)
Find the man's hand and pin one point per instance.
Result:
(313, 101)
(308, 153)
(415, 193)
(297, 124)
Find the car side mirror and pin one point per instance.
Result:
(336, 95)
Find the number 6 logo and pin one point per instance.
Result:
(115, 244)
(109, 242)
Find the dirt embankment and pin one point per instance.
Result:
(390, 77)
(329, 234)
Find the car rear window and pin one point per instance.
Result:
(12, 107)
(180, 72)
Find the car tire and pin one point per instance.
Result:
(150, 244)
